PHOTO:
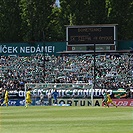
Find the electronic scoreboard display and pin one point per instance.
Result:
(87, 35)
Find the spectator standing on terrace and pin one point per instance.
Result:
(112, 71)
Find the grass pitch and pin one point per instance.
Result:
(42, 119)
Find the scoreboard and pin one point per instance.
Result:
(102, 35)
(86, 35)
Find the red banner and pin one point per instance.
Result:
(122, 102)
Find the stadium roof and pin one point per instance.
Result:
(91, 52)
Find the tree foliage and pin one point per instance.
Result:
(120, 14)
(39, 20)
(10, 22)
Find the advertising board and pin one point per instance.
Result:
(79, 102)
(123, 102)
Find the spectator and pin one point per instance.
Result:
(112, 71)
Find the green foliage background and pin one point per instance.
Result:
(36, 20)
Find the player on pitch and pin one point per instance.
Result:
(28, 98)
(5, 99)
(105, 99)
(110, 101)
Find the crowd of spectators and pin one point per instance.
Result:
(111, 71)
(15, 71)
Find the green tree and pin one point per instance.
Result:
(120, 13)
(56, 32)
(10, 21)
(130, 21)
(75, 12)
(98, 11)
(38, 20)
(84, 12)
(36, 17)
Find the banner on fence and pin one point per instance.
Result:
(79, 102)
(75, 93)
(72, 102)
(27, 49)
(123, 102)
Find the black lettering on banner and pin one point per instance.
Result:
(89, 103)
(79, 102)
(69, 102)
(61, 102)
(76, 102)
(82, 103)
(97, 103)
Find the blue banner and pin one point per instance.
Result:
(21, 102)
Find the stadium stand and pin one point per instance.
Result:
(112, 71)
